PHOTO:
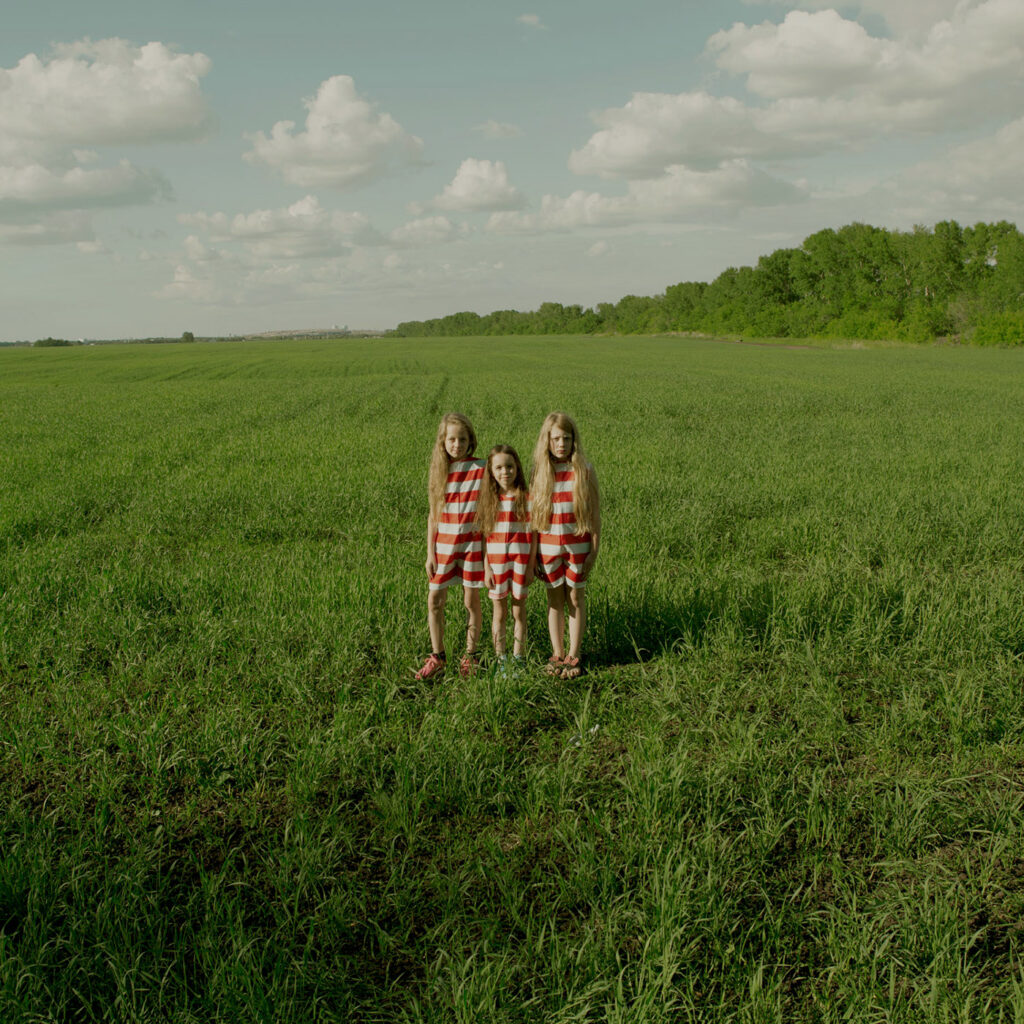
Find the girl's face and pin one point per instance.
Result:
(503, 469)
(456, 441)
(560, 443)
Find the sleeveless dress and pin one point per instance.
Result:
(508, 550)
(458, 547)
(561, 551)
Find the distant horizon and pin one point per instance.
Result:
(297, 334)
(164, 170)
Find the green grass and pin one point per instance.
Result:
(224, 798)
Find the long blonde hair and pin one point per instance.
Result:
(542, 479)
(440, 461)
(490, 493)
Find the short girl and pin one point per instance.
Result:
(510, 546)
(454, 545)
(566, 513)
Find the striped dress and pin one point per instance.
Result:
(561, 551)
(508, 550)
(459, 549)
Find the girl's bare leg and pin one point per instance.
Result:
(577, 618)
(435, 618)
(556, 619)
(519, 626)
(474, 616)
(498, 623)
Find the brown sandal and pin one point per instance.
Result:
(554, 665)
(572, 668)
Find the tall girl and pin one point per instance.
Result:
(566, 513)
(510, 545)
(454, 545)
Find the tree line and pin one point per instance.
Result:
(855, 282)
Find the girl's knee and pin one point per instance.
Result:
(436, 600)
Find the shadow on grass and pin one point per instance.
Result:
(653, 626)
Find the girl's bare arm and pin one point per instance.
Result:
(431, 563)
(531, 561)
(488, 571)
(595, 532)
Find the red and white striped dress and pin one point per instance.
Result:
(561, 551)
(508, 550)
(457, 546)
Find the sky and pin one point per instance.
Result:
(226, 168)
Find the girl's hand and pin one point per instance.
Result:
(488, 578)
(588, 564)
(431, 566)
(529, 574)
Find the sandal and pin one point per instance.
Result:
(469, 664)
(433, 666)
(554, 665)
(572, 668)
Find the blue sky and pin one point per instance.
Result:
(226, 168)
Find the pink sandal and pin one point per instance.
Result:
(433, 666)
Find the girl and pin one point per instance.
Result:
(510, 547)
(454, 548)
(566, 513)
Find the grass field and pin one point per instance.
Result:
(223, 797)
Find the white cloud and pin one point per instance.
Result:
(57, 229)
(980, 180)
(498, 130)
(234, 284)
(733, 185)
(480, 185)
(829, 85)
(303, 229)
(53, 111)
(407, 266)
(101, 93)
(804, 56)
(905, 17)
(34, 186)
(600, 248)
(530, 20)
(345, 142)
(198, 252)
(424, 231)
(93, 248)
(822, 54)
(655, 130)
(187, 284)
(681, 193)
